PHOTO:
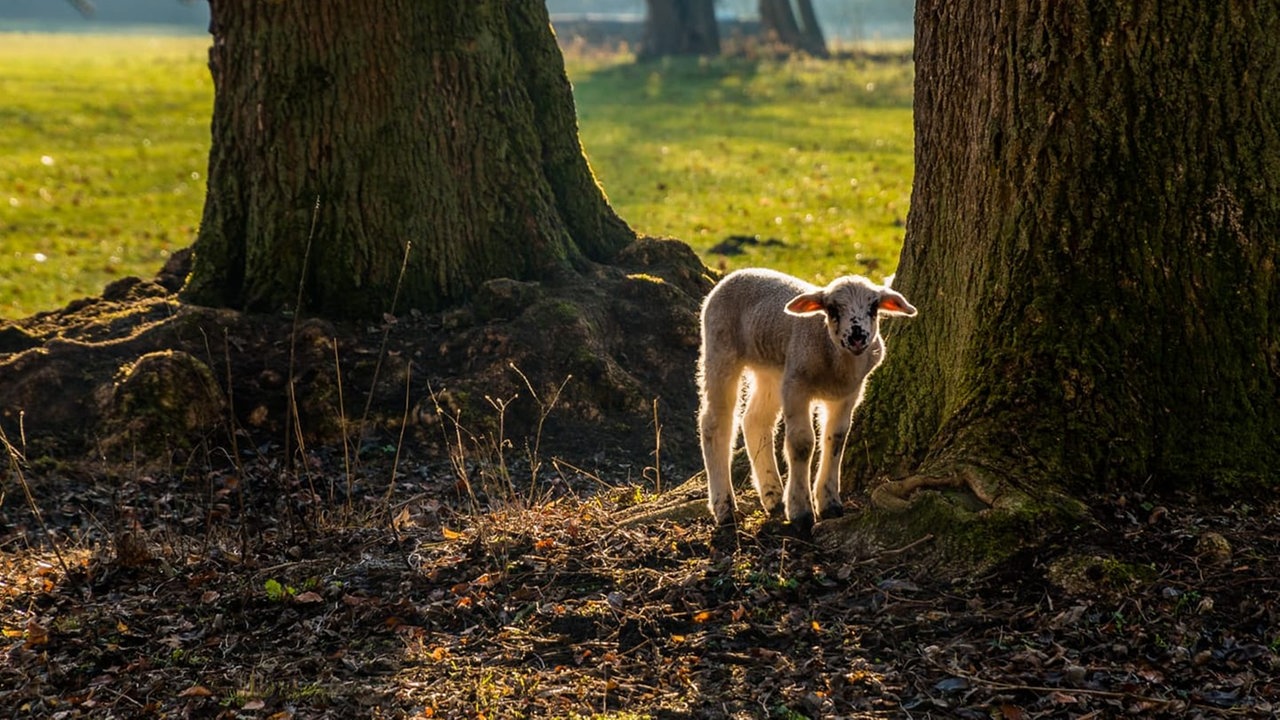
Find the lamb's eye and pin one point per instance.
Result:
(833, 314)
(873, 308)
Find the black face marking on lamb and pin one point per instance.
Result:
(873, 309)
(856, 339)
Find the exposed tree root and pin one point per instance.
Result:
(682, 503)
(895, 495)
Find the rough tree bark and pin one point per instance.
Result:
(778, 20)
(1092, 244)
(680, 27)
(343, 132)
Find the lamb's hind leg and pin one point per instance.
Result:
(759, 423)
(836, 419)
(716, 423)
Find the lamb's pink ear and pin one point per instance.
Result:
(892, 303)
(806, 304)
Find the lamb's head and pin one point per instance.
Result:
(852, 306)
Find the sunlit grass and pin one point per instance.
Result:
(813, 158)
(102, 161)
(105, 143)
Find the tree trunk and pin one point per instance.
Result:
(344, 132)
(680, 27)
(1092, 244)
(778, 21)
(812, 38)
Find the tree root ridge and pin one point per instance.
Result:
(896, 495)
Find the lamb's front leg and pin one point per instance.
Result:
(759, 423)
(836, 419)
(798, 416)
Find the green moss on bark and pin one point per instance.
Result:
(952, 529)
(1092, 244)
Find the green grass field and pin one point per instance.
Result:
(813, 159)
(105, 143)
(102, 160)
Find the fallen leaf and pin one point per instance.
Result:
(196, 691)
(36, 634)
(896, 585)
(450, 534)
(253, 705)
(410, 631)
(201, 578)
(1011, 712)
(702, 617)
(308, 597)
(402, 519)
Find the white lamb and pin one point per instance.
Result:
(800, 345)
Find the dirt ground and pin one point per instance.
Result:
(444, 518)
(249, 594)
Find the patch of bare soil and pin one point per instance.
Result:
(467, 548)
(597, 367)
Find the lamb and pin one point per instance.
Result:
(800, 345)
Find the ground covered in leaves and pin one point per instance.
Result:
(324, 590)
(197, 519)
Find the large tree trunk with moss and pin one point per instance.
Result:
(779, 21)
(351, 139)
(680, 27)
(1092, 244)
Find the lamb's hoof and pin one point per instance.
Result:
(801, 526)
(833, 511)
(724, 537)
(724, 512)
(728, 525)
(777, 511)
(727, 520)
